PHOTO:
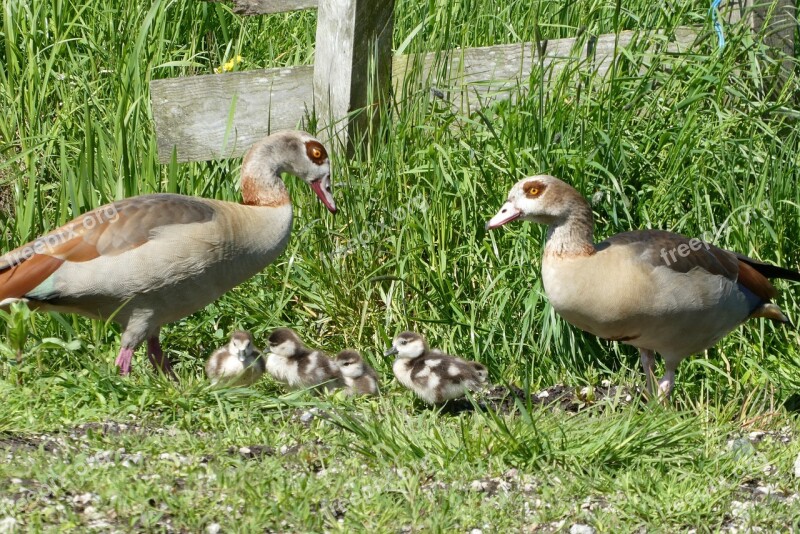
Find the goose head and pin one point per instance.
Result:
(284, 342)
(241, 345)
(407, 345)
(542, 199)
(350, 363)
(294, 152)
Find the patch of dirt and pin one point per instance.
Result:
(510, 481)
(113, 428)
(6, 201)
(506, 400)
(16, 443)
(253, 452)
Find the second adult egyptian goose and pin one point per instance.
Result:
(150, 260)
(658, 291)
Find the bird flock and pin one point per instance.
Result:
(146, 261)
(435, 377)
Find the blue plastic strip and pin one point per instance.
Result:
(717, 23)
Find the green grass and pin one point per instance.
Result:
(694, 142)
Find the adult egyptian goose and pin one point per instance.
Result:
(239, 363)
(658, 291)
(434, 376)
(150, 260)
(359, 376)
(298, 366)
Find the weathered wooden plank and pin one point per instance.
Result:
(475, 77)
(216, 116)
(263, 7)
(353, 61)
(221, 115)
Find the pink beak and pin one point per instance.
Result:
(322, 188)
(506, 214)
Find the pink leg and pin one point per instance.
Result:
(124, 361)
(157, 358)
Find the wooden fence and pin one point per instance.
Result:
(219, 116)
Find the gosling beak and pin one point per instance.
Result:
(390, 351)
(506, 214)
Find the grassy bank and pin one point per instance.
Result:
(696, 142)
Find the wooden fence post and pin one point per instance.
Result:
(781, 24)
(352, 67)
(776, 22)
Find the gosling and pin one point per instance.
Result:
(294, 364)
(435, 377)
(239, 363)
(359, 377)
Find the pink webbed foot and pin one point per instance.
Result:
(123, 361)
(157, 358)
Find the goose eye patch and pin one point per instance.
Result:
(316, 152)
(533, 189)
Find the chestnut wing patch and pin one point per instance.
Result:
(682, 254)
(106, 231)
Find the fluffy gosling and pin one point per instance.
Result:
(298, 366)
(359, 377)
(239, 363)
(434, 376)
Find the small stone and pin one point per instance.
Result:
(213, 528)
(244, 451)
(740, 509)
(756, 436)
(769, 489)
(606, 383)
(16, 481)
(579, 528)
(797, 466)
(306, 417)
(84, 498)
(543, 394)
(476, 531)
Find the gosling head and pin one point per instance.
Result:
(284, 342)
(407, 345)
(350, 363)
(241, 345)
(542, 199)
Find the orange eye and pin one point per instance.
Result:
(533, 189)
(316, 153)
